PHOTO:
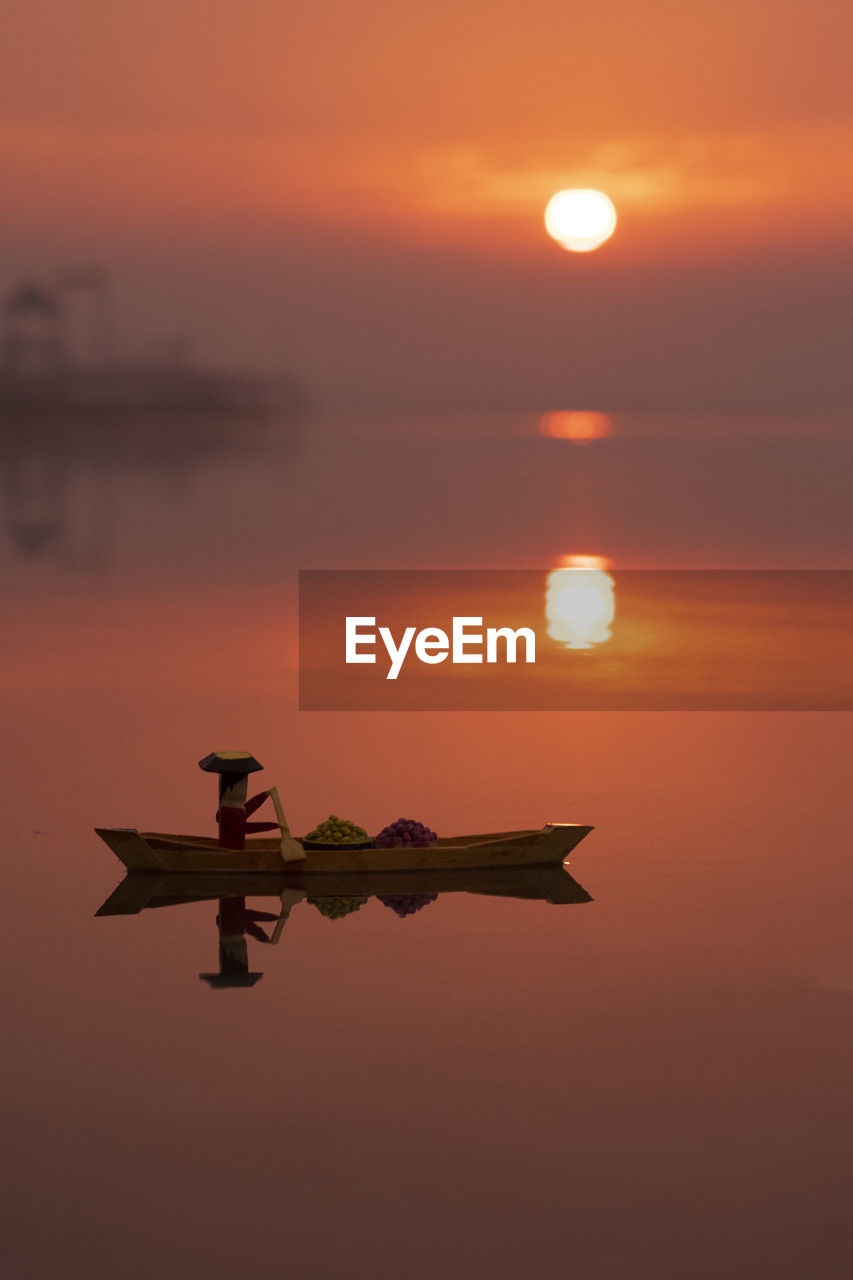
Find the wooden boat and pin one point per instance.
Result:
(137, 892)
(152, 851)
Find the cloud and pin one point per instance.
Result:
(155, 175)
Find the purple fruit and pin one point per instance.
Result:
(407, 904)
(405, 832)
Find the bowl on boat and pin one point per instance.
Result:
(337, 833)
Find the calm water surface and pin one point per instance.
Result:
(652, 1083)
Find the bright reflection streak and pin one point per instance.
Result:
(578, 427)
(580, 602)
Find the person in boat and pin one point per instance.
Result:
(235, 808)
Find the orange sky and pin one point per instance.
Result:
(277, 157)
(422, 113)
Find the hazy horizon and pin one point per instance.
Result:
(357, 197)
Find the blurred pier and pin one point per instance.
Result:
(57, 359)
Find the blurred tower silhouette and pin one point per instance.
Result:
(33, 346)
(95, 325)
(57, 356)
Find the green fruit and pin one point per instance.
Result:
(336, 908)
(336, 830)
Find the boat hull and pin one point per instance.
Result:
(159, 852)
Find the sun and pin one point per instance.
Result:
(580, 219)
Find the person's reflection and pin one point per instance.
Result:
(235, 921)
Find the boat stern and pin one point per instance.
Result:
(130, 848)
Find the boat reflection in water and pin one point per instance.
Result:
(403, 871)
(580, 602)
(336, 895)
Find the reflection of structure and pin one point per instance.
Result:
(331, 898)
(579, 602)
(64, 480)
(59, 503)
(34, 489)
(52, 365)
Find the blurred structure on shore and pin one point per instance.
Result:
(78, 426)
(57, 357)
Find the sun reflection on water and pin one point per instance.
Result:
(578, 426)
(580, 602)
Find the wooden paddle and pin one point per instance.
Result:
(289, 899)
(291, 850)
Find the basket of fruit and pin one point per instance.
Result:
(337, 833)
(405, 833)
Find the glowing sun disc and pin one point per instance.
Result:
(580, 219)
